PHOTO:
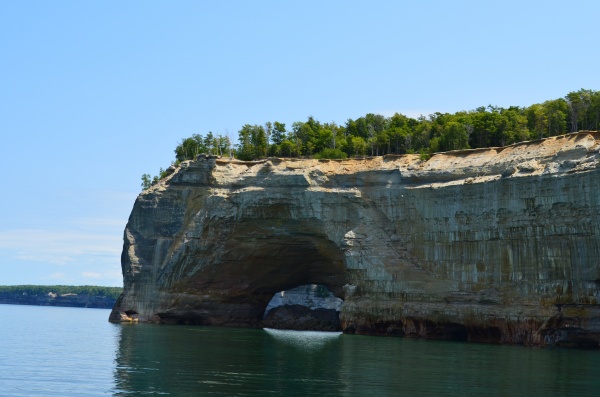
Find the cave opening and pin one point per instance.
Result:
(235, 287)
(308, 307)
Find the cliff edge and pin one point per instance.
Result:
(494, 245)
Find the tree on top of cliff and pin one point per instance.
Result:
(92, 290)
(376, 135)
(252, 142)
(190, 148)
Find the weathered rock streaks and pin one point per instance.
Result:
(494, 245)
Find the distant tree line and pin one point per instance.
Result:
(91, 290)
(377, 135)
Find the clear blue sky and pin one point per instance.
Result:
(95, 93)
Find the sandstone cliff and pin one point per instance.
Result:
(492, 245)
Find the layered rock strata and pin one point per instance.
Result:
(491, 245)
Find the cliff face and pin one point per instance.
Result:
(493, 245)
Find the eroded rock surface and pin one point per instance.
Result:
(312, 296)
(494, 245)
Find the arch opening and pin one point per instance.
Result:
(235, 283)
(309, 307)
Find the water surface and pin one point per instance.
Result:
(51, 351)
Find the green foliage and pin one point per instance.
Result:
(357, 146)
(146, 181)
(92, 290)
(278, 134)
(376, 135)
(328, 153)
(286, 148)
(453, 136)
(190, 148)
(252, 142)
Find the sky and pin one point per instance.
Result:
(93, 94)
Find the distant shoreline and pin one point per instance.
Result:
(86, 296)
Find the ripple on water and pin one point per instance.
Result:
(305, 340)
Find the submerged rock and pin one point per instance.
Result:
(493, 245)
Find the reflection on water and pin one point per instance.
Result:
(71, 352)
(220, 361)
(305, 340)
(209, 361)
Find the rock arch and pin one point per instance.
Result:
(455, 247)
(224, 270)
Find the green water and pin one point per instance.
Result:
(75, 352)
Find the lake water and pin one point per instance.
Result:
(54, 351)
